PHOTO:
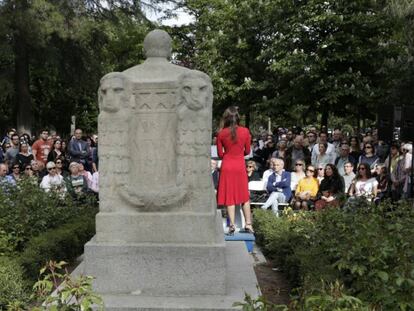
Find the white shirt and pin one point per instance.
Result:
(365, 188)
(50, 182)
(330, 150)
(294, 179)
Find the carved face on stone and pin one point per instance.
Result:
(194, 92)
(111, 93)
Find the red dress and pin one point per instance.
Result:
(233, 188)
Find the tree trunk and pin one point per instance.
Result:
(324, 118)
(22, 97)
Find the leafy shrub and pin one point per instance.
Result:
(26, 211)
(12, 284)
(63, 243)
(369, 249)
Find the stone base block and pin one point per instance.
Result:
(156, 269)
(239, 279)
(161, 227)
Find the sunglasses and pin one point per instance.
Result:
(368, 147)
(28, 168)
(16, 167)
(299, 164)
(58, 162)
(361, 169)
(250, 166)
(405, 150)
(51, 168)
(312, 171)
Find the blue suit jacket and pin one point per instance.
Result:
(284, 184)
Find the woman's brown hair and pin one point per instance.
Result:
(231, 119)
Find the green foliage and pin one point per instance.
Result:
(293, 60)
(63, 243)
(12, 283)
(26, 211)
(74, 294)
(369, 249)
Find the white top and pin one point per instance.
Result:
(365, 188)
(50, 182)
(294, 179)
(330, 151)
(95, 182)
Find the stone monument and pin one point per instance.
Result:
(159, 237)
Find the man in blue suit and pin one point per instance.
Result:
(278, 185)
(79, 149)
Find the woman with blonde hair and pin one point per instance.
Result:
(307, 189)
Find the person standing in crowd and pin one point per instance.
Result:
(323, 138)
(214, 173)
(56, 152)
(289, 138)
(24, 157)
(348, 175)
(384, 183)
(323, 158)
(52, 181)
(355, 148)
(344, 157)
(95, 156)
(391, 163)
(337, 139)
(369, 157)
(297, 152)
(278, 186)
(12, 152)
(79, 149)
(42, 147)
(280, 152)
(307, 189)
(401, 176)
(311, 136)
(233, 143)
(7, 138)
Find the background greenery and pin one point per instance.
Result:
(369, 249)
(297, 62)
(36, 227)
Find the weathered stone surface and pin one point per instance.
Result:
(159, 241)
(240, 279)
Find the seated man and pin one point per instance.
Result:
(278, 185)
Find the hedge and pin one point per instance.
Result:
(63, 243)
(370, 250)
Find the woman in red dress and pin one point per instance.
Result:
(233, 143)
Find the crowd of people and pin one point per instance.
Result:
(313, 169)
(51, 162)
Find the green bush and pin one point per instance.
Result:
(369, 249)
(63, 243)
(26, 211)
(12, 284)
